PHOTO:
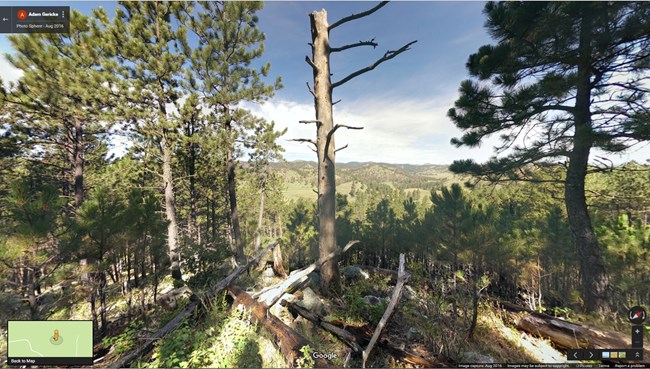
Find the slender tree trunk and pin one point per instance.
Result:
(143, 260)
(213, 219)
(170, 208)
(330, 278)
(237, 244)
(592, 270)
(260, 216)
(192, 226)
(93, 308)
(31, 295)
(102, 303)
(78, 162)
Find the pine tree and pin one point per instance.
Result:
(149, 47)
(228, 41)
(30, 250)
(381, 232)
(101, 222)
(263, 143)
(552, 81)
(63, 98)
(451, 222)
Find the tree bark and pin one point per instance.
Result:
(595, 281)
(237, 244)
(402, 277)
(192, 226)
(272, 294)
(286, 338)
(330, 277)
(278, 262)
(78, 162)
(260, 216)
(170, 208)
(354, 337)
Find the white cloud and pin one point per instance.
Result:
(395, 130)
(8, 73)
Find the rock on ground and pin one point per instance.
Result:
(353, 273)
(312, 302)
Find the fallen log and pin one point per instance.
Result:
(565, 334)
(355, 337)
(402, 277)
(186, 312)
(286, 338)
(169, 300)
(348, 338)
(272, 295)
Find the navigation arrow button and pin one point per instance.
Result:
(591, 354)
(575, 354)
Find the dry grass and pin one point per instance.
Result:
(506, 344)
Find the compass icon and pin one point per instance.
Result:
(637, 315)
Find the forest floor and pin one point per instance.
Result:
(225, 337)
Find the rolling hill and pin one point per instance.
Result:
(300, 177)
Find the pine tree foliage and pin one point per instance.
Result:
(62, 101)
(526, 84)
(228, 41)
(551, 87)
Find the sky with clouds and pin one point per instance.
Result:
(402, 104)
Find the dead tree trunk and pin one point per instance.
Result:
(402, 277)
(278, 262)
(326, 163)
(566, 334)
(325, 147)
(355, 337)
(286, 338)
(273, 294)
(348, 338)
(170, 208)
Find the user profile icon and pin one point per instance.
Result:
(22, 14)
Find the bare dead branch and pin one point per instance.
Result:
(341, 148)
(301, 140)
(387, 56)
(356, 44)
(357, 16)
(331, 133)
(311, 91)
(336, 102)
(306, 140)
(311, 63)
(317, 122)
(402, 277)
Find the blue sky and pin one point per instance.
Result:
(402, 104)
